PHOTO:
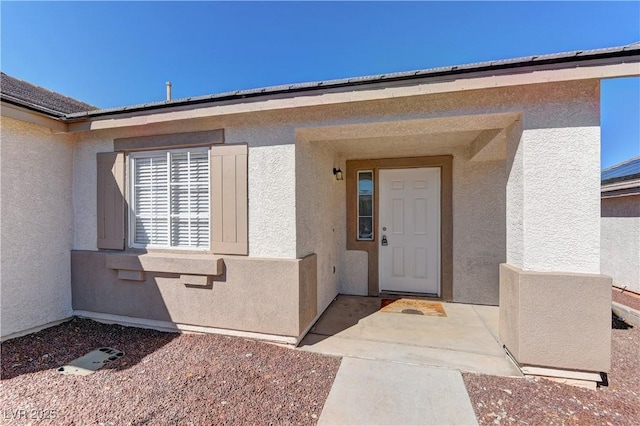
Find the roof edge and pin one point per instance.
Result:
(626, 178)
(632, 50)
(38, 117)
(622, 163)
(31, 106)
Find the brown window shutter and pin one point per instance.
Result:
(229, 200)
(111, 200)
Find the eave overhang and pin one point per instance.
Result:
(597, 64)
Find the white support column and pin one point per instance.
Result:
(561, 199)
(553, 200)
(554, 307)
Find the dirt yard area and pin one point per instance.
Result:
(501, 400)
(163, 378)
(188, 379)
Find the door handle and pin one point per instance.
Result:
(384, 241)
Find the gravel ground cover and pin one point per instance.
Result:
(626, 298)
(525, 401)
(164, 378)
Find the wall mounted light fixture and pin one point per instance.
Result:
(338, 174)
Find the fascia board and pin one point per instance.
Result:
(33, 117)
(310, 99)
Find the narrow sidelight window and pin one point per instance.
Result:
(365, 205)
(169, 199)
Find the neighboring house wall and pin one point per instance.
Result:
(36, 226)
(620, 256)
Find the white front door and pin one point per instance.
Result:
(409, 230)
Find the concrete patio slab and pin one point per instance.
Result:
(368, 392)
(410, 354)
(465, 340)
(490, 318)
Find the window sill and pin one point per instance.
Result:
(194, 269)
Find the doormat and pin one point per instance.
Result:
(412, 306)
(89, 363)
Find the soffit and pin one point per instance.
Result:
(401, 128)
(402, 146)
(482, 137)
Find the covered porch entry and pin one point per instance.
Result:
(421, 209)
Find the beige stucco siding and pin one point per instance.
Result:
(501, 207)
(479, 237)
(272, 183)
(557, 320)
(37, 226)
(545, 176)
(320, 211)
(269, 296)
(620, 234)
(561, 199)
(271, 186)
(85, 196)
(553, 184)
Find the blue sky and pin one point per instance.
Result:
(122, 53)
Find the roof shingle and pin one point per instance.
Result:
(39, 97)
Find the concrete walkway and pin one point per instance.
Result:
(367, 392)
(399, 368)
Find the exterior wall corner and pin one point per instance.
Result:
(556, 320)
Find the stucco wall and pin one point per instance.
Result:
(479, 233)
(515, 196)
(561, 199)
(271, 185)
(85, 183)
(296, 207)
(320, 215)
(271, 296)
(620, 241)
(542, 199)
(557, 320)
(553, 211)
(36, 227)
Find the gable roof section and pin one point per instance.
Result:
(25, 94)
(622, 178)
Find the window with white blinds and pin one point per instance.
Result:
(169, 199)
